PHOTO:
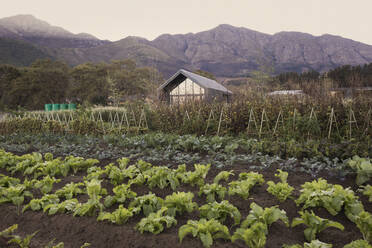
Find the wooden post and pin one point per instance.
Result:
(332, 119)
(251, 119)
(208, 121)
(280, 116)
(351, 121)
(367, 122)
(219, 123)
(263, 119)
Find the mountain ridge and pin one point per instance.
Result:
(224, 50)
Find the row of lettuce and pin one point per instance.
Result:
(40, 172)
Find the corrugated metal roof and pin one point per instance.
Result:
(202, 81)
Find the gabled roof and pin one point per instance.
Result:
(204, 82)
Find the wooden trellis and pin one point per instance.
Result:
(332, 119)
(263, 119)
(252, 119)
(279, 119)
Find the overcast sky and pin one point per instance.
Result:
(116, 19)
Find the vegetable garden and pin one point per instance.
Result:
(248, 174)
(71, 201)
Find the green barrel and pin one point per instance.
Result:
(48, 107)
(64, 106)
(55, 106)
(72, 106)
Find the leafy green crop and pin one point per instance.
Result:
(281, 190)
(364, 222)
(220, 211)
(38, 204)
(121, 194)
(148, 204)
(266, 216)
(197, 176)
(313, 244)
(367, 191)
(94, 191)
(46, 184)
(213, 191)
(358, 244)
(70, 190)
(223, 175)
(7, 181)
(321, 194)
(314, 223)
(14, 194)
(154, 222)
(205, 230)
(119, 216)
(65, 206)
(22, 242)
(179, 202)
(363, 167)
(161, 177)
(244, 185)
(253, 237)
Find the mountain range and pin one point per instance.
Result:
(224, 51)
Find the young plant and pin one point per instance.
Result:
(65, 206)
(223, 175)
(253, 236)
(14, 194)
(38, 204)
(364, 224)
(93, 205)
(367, 191)
(266, 216)
(154, 222)
(205, 230)
(197, 176)
(46, 184)
(22, 242)
(313, 244)
(281, 190)
(179, 202)
(148, 204)
(6, 181)
(119, 216)
(6, 233)
(315, 224)
(321, 194)
(161, 177)
(363, 167)
(244, 185)
(220, 211)
(360, 243)
(70, 190)
(213, 191)
(121, 194)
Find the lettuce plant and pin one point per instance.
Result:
(220, 211)
(179, 202)
(119, 216)
(93, 204)
(223, 175)
(363, 167)
(281, 190)
(367, 191)
(121, 194)
(360, 243)
(46, 184)
(364, 223)
(244, 185)
(197, 176)
(313, 244)
(205, 230)
(38, 204)
(253, 236)
(154, 222)
(65, 206)
(213, 191)
(149, 203)
(70, 190)
(161, 177)
(314, 224)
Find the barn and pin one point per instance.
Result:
(187, 86)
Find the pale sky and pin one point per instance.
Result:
(116, 19)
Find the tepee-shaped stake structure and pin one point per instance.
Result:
(279, 119)
(332, 119)
(263, 119)
(352, 120)
(251, 119)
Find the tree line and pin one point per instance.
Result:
(47, 81)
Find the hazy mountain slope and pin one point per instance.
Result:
(223, 51)
(19, 53)
(41, 33)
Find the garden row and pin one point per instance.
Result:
(108, 193)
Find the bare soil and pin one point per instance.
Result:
(75, 231)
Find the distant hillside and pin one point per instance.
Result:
(224, 51)
(19, 53)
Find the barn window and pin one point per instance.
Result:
(187, 90)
